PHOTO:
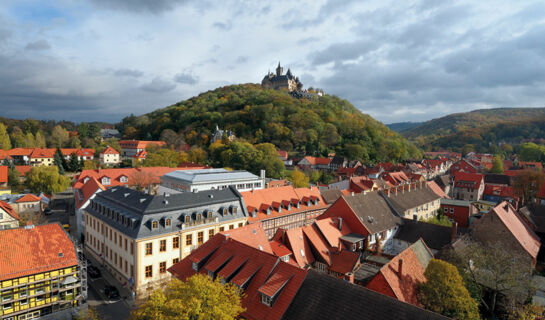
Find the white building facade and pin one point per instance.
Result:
(212, 179)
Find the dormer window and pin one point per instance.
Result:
(154, 225)
(105, 181)
(167, 222)
(266, 300)
(86, 179)
(199, 216)
(195, 266)
(124, 179)
(187, 218)
(224, 211)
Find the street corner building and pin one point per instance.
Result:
(137, 236)
(40, 275)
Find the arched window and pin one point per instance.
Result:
(167, 222)
(154, 224)
(187, 218)
(198, 216)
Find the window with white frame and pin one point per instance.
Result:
(266, 300)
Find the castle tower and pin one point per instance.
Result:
(279, 69)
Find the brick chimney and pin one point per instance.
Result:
(454, 231)
(400, 267)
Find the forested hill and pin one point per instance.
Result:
(314, 126)
(479, 129)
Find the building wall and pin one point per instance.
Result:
(423, 212)
(36, 162)
(108, 245)
(241, 185)
(379, 284)
(7, 221)
(460, 214)
(27, 207)
(42, 291)
(109, 158)
(289, 221)
(341, 209)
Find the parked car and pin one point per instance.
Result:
(94, 272)
(48, 211)
(111, 292)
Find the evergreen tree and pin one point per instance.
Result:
(5, 142)
(57, 160)
(74, 164)
(40, 140)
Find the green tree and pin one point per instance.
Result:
(30, 142)
(5, 142)
(46, 179)
(197, 298)
(444, 292)
(497, 165)
(197, 155)
(59, 137)
(13, 179)
(40, 140)
(299, 179)
(270, 160)
(531, 152)
(17, 137)
(75, 142)
(74, 165)
(162, 158)
(59, 161)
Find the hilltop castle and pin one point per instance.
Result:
(279, 81)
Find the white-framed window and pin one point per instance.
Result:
(7, 306)
(124, 179)
(451, 210)
(266, 300)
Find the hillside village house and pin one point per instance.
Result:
(460, 211)
(137, 236)
(109, 156)
(82, 154)
(415, 201)
(435, 237)
(43, 277)
(314, 163)
(24, 203)
(9, 219)
(212, 179)
(468, 186)
(131, 148)
(20, 156)
(369, 216)
(4, 187)
(41, 157)
(283, 207)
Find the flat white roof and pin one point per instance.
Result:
(210, 175)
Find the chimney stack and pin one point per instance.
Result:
(454, 231)
(395, 191)
(400, 267)
(388, 192)
(340, 224)
(408, 187)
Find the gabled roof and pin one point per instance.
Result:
(4, 154)
(87, 191)
(511, 219)
(4, 174)
(258, 272)
(344, 261)
(20, 151)
(299, 246)
(437, 190)
(29, 197)
(109, 150)
(329, 227)
(282, 154)
(404, 272)
(331, 195)
(139, 144)
(415, 197)
(279, 249)
(38, 153)
(9, 210)
(324, 297)
(373, 211)
(23, 170)
(435, 236)
(317, 161)
(252, 235)
(144, 175)
(468, 180)
(28, 251)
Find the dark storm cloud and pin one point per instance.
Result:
(128, 73)
(139, 6)
(186, 78)
(158, 85)
(38, 45)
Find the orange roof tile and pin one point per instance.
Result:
(23, 170)
(252, 235)
(279, 249)
(109, 150)
(299, 246)
(9, 210)
(29, 197)
(4, 154)
(461, 178)
(20, 151)
(329, 227)
(3, 174)
(87, 191)
(139, 144)
(145, 175)
(344, 261)
(437, 190)
(318, 242)
(39, 153)
(317, 161)
(518, 228)
(29, 251)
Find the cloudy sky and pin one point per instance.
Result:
(85, 60)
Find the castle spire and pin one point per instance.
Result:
(279, 69)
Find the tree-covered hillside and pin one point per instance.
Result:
(480, 130)
(307, 126)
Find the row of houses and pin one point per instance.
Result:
(46, 156)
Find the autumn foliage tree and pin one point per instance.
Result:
(444, 292)
(46, 179)
(299, 179)
(198, 298)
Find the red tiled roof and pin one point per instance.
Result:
(361, 183)
(404, 285)
(282, 154)
(20, 151)
(3, 174)
(279, 249)
(24, 252)
(329, 227)
(139, 144)
(263, 198)
(344, 261)
(260, 271)
(463, 178)
(4, 154)
(501, 191)
(432, 163)
(518, 228)
(23, 170)
(141, 154)
(9, 210)
(145, 175)
(109, 150)
(87, 191)
(218, 260)
(317, 161)
(252, 235)
(299, 246)
(318, 242)
(437, 190)
(39, 153)
(29, 197)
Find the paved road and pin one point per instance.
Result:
(108, 310)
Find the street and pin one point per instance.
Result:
(108, 310)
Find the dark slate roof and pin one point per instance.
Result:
(331, 195)
(325, 297)
(403, 201)
(337, 160)
(536, 214)
(142, 209)
(495, 178)
(435, 237)
(373, 211)
(442, 181)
